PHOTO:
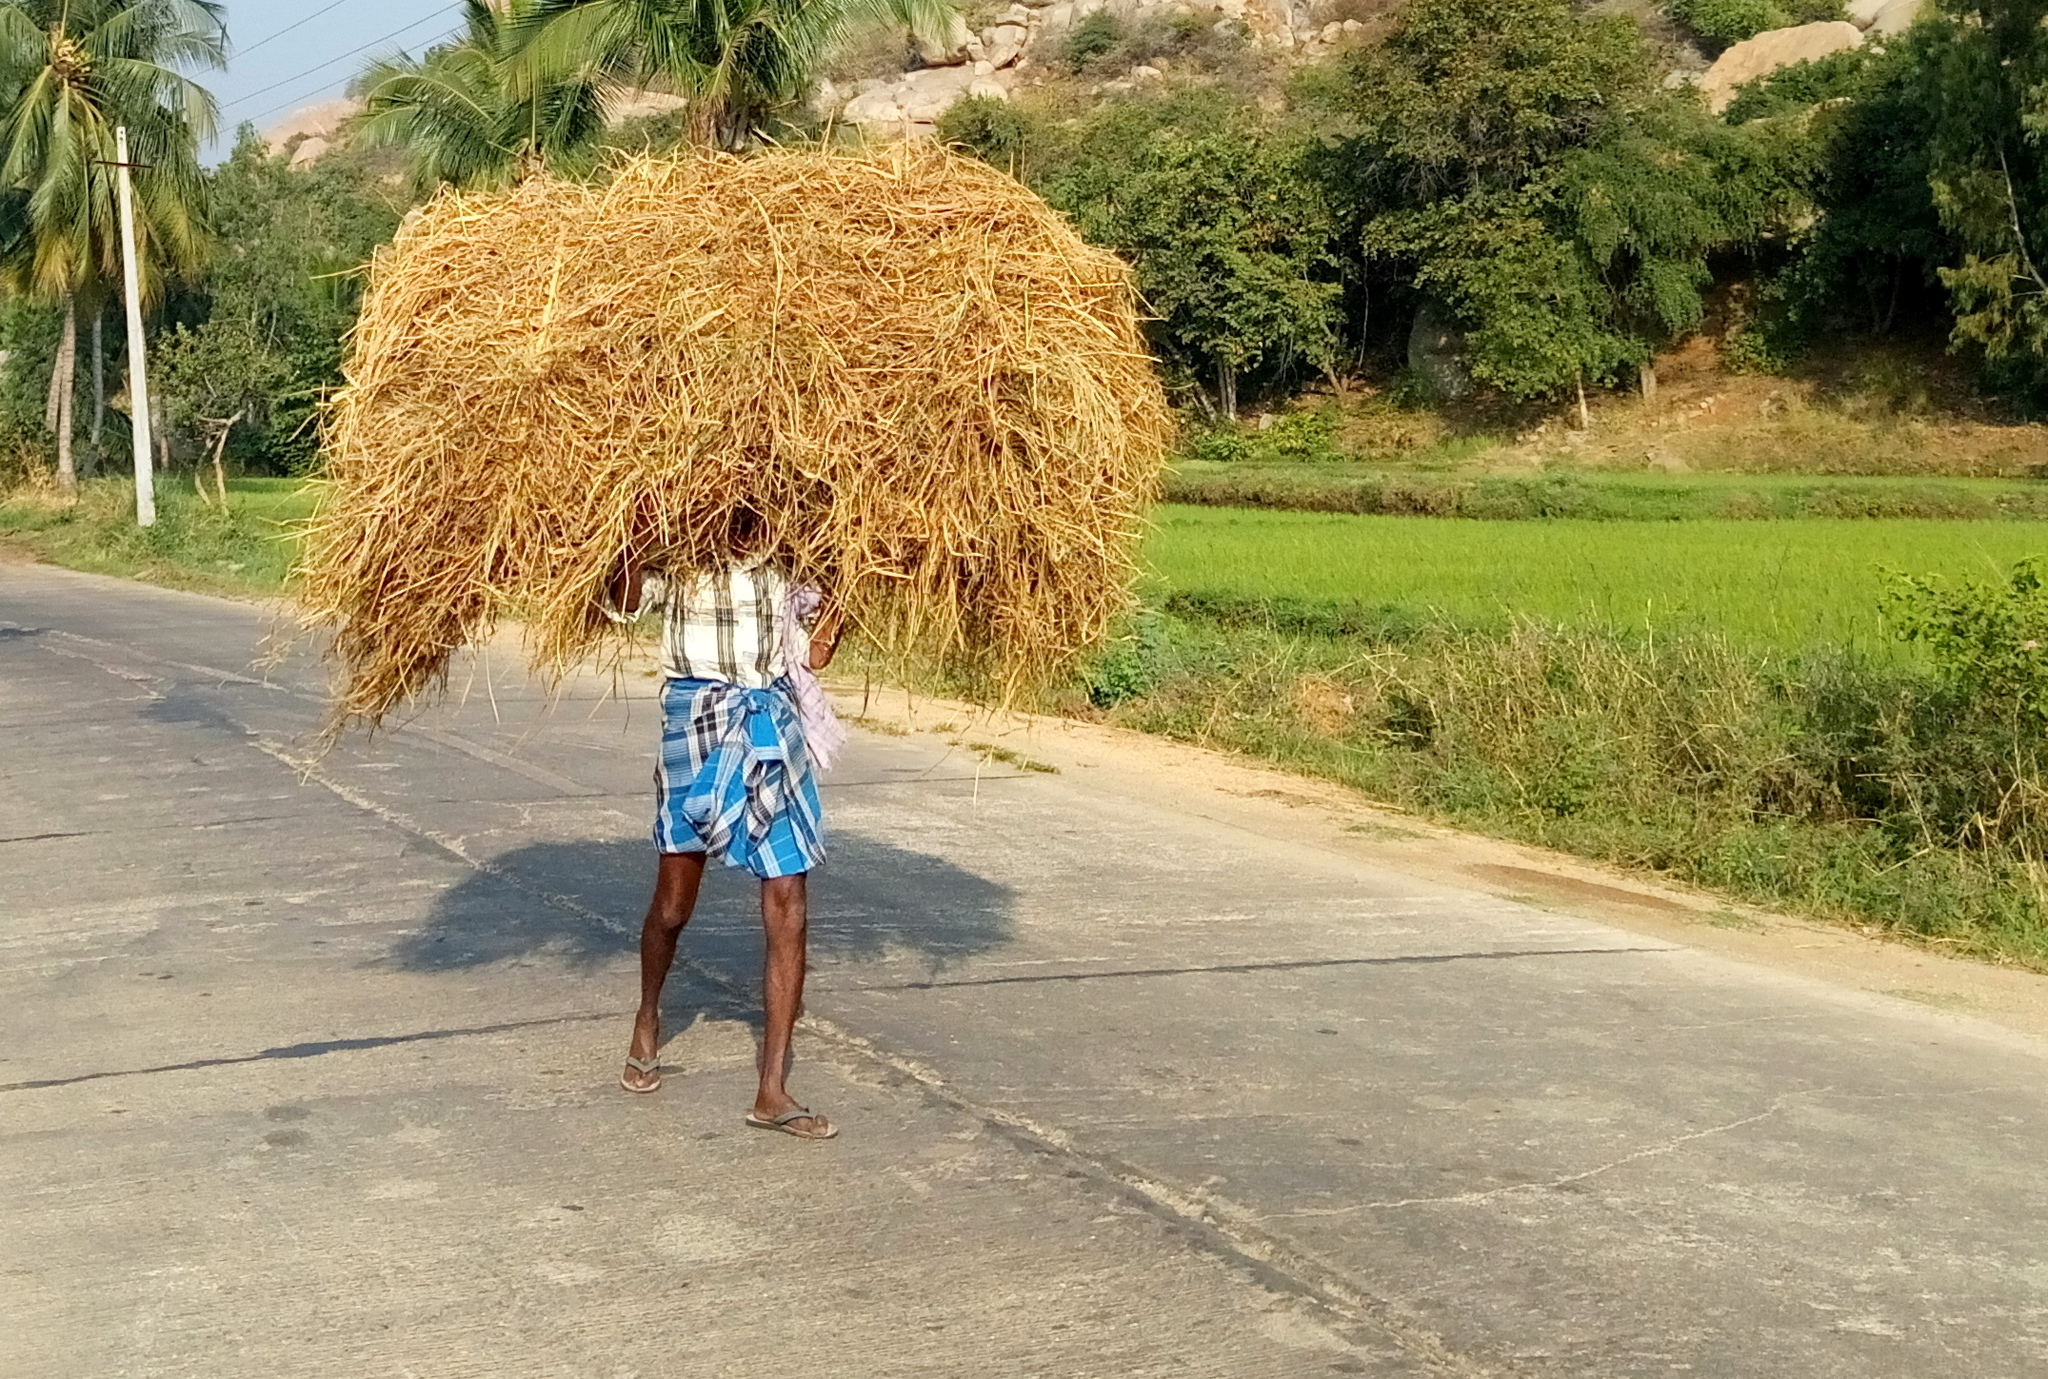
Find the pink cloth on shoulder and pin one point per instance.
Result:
(824, 734)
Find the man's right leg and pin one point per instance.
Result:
(675, 896)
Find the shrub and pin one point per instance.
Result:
(1092, 41)
(992, 130)
(1988, 640)
(1724, 22)
(1913, 798)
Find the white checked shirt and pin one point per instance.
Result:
(724, 626)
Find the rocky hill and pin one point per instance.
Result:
(894, 90)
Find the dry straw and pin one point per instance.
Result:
(932, 393)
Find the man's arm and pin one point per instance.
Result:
(825, 638)
(627, 584)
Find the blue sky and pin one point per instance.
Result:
(289, 53)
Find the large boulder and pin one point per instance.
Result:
(1004, 44)
(1770, 50)
(915, 100)
(929, 94)
(1862, 13)
(1896, 17)
(877, 107)
(311, 122)
(1436, 354)
(950, 48)
(641, 104)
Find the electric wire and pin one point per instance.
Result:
(296, 23)
(246, 97)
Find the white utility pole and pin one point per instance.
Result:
(138, 375)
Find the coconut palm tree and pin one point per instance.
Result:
(463, 115)
(70, 72)
(736, 61)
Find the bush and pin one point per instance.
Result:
(1724, 22)
(993, 130)
(1898, 795)
(1989, 641)
(1092, 41)
(1802, 86)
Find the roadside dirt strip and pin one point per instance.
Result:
(1149, 1063)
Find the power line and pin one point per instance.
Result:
(323, 66)
(325, 9)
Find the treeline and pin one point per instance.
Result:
(1518, 183)
(1514, 188)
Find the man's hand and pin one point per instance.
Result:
(626, 585)
(825, 637)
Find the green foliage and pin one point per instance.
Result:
(1518, 163)
(1771, 585)
(1869, 259)
(1226, 469)
(1850, 789)
(245, 547)
(265, 338)
(1227, 231)
(1133, 662)
(1308, 436)
(467, 114)
(740, 63)
(1976, 100)
(28, 333)
(70, 72)
(1092, 40)
(993, 130)
(1988, 640)
(1848, 75)
(1720, 23)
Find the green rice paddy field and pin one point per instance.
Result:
(1780, 584)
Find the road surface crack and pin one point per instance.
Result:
(1653, 1151)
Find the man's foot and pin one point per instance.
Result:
(643, 1064)
(784, 1113)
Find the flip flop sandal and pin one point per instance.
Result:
(650, 1066)
(782, 1123)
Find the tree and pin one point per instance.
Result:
(738, 62)
(1981, 70)
(263, 338)
(1224, 226)
(71, 71)
(1860, 121)
(466, 113)
(1520, 164)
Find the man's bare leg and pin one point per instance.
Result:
(784, 920)
(675, 897)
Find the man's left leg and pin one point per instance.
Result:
(785, 923)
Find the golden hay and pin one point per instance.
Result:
(932, 393)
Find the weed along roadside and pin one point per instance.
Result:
(1901, 792)
(244, 546)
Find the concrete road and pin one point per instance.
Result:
(310, 1069)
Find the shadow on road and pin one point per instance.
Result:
(872, 900)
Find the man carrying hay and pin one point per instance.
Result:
(743, 719)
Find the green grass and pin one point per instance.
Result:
(246, 549)
(1345, 487)
(1782, 585)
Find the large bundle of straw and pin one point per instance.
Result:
(928, 389)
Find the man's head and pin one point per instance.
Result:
(747, 534)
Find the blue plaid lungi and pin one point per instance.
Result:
(734, 779)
